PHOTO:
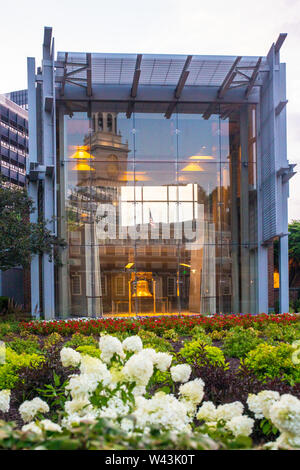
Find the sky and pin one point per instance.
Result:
(221, 27)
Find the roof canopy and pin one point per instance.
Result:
(153, 78)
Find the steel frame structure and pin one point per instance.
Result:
(78, 81)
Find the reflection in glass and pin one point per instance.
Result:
(159, 214)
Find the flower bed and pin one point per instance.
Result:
(197, 382)
(180, 324)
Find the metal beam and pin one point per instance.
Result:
(62, 89)
(209, 111)
(180, 85)
(136, 76)
(135, 84)
(253, 77)
(183, 77)
(229, 78)
(280, 41)
(280, 106)
(89, 91)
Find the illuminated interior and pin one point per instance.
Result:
(154, 213)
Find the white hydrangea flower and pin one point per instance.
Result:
(207, 412)
(229, 410)
(162, 410)
(81, 386)
(115, 409)
(259, 404)
(132, 344)
(285, 442)
(139, 390)
(109, 345)
(48, 425)
(162, 361)
(93, 365)
(32, 427)
(181, 373)
(69, 357)
(193, 391)
(30, 408)
(4, 400)
(79, 406)
(127, 425)
(138, 369)
(285, 414)
(148, 353)
(240, 425)
(75, 419)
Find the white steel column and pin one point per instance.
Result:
(33, 185)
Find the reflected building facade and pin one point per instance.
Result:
(160, 184)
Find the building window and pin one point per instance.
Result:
(120, 286)
(171, 286)
(100, 122)
(76, 284)
(109, 123)
(104, 285)
(75, 242)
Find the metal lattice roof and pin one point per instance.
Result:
(162, 70)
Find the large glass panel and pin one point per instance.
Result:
(198, 138)
(155, 137)
(159, 214)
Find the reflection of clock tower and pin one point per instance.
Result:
(107, 147)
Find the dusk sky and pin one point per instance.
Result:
(231, 27)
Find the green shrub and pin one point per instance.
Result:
(52, 340)
(14, 362)
(217, 335)
(268, 361)
(5, 328)
(199, 334)
(239, 342)
(89, 350)
(79, 339)
(286, 333)
(151, 340)
(170, 334)
(28, 346)
(198, 352)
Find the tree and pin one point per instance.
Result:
(20, 238)
(294, 250)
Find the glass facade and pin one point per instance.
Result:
(159, 214)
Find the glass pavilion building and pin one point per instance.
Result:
(167, 176)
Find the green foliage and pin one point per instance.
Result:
(217, 335)
(151, 340)
(268, 361)
(52, 340)
(89, 350)
(103, 436)
(199, 334)
(5, 328)
(287, 333)
(170, 334)
(28, 346)
(55, 395)
(79, 339)
(14, 362)
(200, 353)
(20, 238)
(239, 342)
